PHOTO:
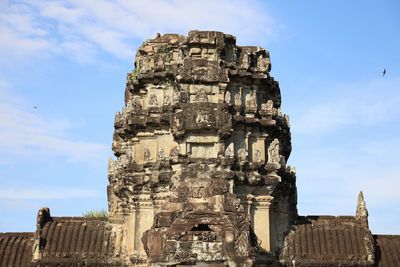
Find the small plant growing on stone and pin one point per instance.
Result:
(164, 49)
(95, 214)
(132, 76)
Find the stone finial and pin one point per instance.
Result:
(361, 212)
(42, 217)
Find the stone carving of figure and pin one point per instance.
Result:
(167, 100)
(274, 159)
(262, 63)
(161, 154)
(227, 97)
(174, 152)
(114, 203)
(153, 100)
(201, 96)
(269, 107)
(202, 117)
(134, 105)
(137, 105)
(257, 155)
(282, 162)
(273, 152)
(197, 192)
(246, 61)
(287, 120)
(177, 122)
(123, 160)
(291, 170)
(242, 154)
(251, 99)
(176, 95)
(147, 154)
(238, 99)
(278, 112)
(229, 152)
(243, 244)
(112, 166)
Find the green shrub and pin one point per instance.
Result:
(95, 214)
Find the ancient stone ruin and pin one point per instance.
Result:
(200, 175)
(201, 146)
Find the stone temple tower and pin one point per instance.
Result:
(201, 145)
(200, 176)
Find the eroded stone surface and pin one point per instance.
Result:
(201, 146)
(200, 175)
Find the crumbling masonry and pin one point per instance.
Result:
(200, 175)
(201, 147)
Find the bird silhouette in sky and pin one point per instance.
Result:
(35, 107)
(384, 72)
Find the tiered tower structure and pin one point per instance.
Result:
(201, 146)
(200, 176)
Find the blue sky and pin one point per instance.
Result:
(70, 58)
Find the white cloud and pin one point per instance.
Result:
(20, 33)
(24, 132)
(346, 139)
(333, 170)
(32, 27)
(43, 193)
(364, 104)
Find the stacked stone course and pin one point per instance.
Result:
(200, 176)
(201, 147)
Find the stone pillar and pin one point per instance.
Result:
(260, 220)
(135, 224)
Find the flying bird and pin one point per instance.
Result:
(34, 107)
(384, 72)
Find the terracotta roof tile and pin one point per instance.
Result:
(321, 240)
(68, 240)
(387, 250)
(16, 249)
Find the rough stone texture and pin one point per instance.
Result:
(387, 250)
(75, 241)
(319, 240)
(16, 249)
(200, 175)
(201, 146)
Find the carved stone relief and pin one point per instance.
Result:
(227, 97)
(193, 130)
(153, 100)
(238, 99)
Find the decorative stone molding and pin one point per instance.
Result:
(199, 113)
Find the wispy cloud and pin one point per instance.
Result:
(346, 139)
(329, 184)
(20, 33)
(363, 104)
(24, 132)
(83, 29)
(43, 193)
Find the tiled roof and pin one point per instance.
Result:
(387, 250)
(16, 249)
(76, 240)
(328, 241)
